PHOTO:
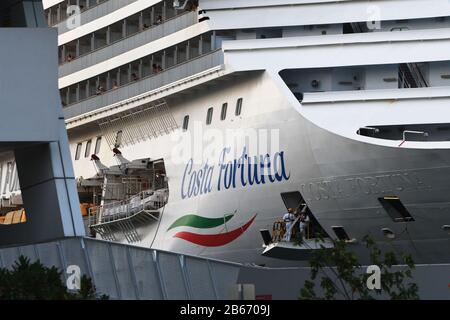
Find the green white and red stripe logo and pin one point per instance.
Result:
(208, 240)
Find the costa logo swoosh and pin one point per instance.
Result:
(195, 221)
(214, 240)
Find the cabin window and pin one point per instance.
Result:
(238, 107)
(118, 139)
(98, 144)
(209, 115)
(78, 151)
(87, 151)
(223, 113)
(341, 233)
(185, 123)
(395, 209)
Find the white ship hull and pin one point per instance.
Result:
(340, 179)
(300, 81)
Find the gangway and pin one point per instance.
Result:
(127, 215)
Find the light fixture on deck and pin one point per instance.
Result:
(374, 130)
(315, 84)
(446, 227)
(388, 233)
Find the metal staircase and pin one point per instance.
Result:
(410, 76)
(127, 216)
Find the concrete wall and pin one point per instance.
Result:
(33, 128)
(128, 272)
(28, 85)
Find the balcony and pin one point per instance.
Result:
(149, 83)
(134, 41)
(95, 12)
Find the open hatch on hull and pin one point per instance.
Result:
(296, 201)
(134, 194)
(297, 239)
(395, 208)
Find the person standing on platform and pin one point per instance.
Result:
(288, 219)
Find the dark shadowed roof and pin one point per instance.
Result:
(12, 13)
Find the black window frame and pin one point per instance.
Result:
(209, 115)
(78, 150)
(98, 144)
(223, 112)
(185, 123)
(87, 150)
(238, 110)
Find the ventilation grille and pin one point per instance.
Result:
(141, 124)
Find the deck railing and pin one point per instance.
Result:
(126, 208)
(94, 13)
(131, 42)
(149, 83)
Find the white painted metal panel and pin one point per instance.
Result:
(275, 13)
(28, 85)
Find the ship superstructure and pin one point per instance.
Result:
(194, 125)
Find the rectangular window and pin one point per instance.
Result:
(185, 123)
(395, 209)
(118, 139)
(238, 107)
(87, 151)
(223, 113)
(78, 151)
(209, 115)
(341, 233)
(98, 145)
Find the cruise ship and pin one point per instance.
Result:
(195, 125)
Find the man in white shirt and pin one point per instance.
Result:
(288, 219)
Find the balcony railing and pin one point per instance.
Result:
(126, 44)
(95, 12)
(172, 74)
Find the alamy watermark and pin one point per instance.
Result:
(373, 17)
(74, 18)
(374, 280)
(202, 143)
(74, 277)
